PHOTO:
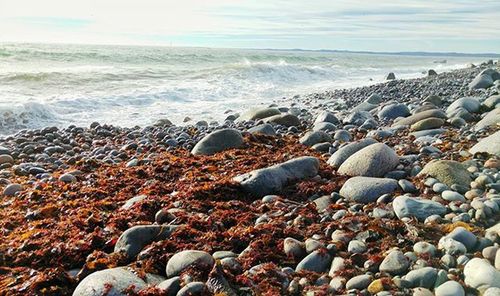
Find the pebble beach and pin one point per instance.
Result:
(387, 189)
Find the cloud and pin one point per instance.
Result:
(408, 25)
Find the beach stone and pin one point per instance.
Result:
(480, 275)
(490, 144)
(324, 126)
(372, 161)
(181, 260)
(265, 129)
(407, 186)
(393, 111)
(450, 288)
(424, 277)
(420, 116)
(395, 263)
(497, 260)
(428, 133)
(375, 286)
(5, 158)
(113, 281)
(422, 292)
(405, 206)
(326, 116)
(12, 189)
(171, 286)
(359, 282)
(451, 246)
(428, 123)
(131, 202)
(367, 189)
(481, 81)
(374, 99)
(467, 238)
(342, 136)
(258, 113)
(448, 172)
(424, 248)
(338, 264)
(390, 76)
(286, 119)
(218, 141)
(434, 100)
(356, 247)
(470, 104)
(364, 106)
(194, 289)
(315, 137)
(134, 239)
(492, 102)
(452, 196)
(67, 178)
(317, 261)
(271, 180)
(358, 117)
(491, 119)
(346, 151)
(4, 150)
(490, 253)
(294, 248)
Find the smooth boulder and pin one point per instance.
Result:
(481, 275)
(271, 180)
(134, 239)
(346, 151)
(317, 261)
(184, 259)
(326, 116)
(258, 113)
(265, 129)
(448, 172)
(218, 141)
(405, 206)
(492, 118)
(314, 137)
(367, 189)
(286, 119)
(372, 161)
(393, 111)
(490, 144)
(419, 116)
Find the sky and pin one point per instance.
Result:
(405, 25)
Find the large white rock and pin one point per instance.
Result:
(480, 275)
(490, 144)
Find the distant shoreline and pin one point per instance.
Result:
(399, 53)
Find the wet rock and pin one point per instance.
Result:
(367, 189)
(271, 180)
(346, 151)
(180, 261)
(134, 239)
(405, 206)
(372, 161)
(480, 275)
(218, 141)
(447, 171)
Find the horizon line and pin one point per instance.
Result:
(413, 53)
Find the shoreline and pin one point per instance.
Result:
(267, 202)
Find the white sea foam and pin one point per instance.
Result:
(59, 85)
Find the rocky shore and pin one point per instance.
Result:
(390, 189)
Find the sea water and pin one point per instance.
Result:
(59, 85)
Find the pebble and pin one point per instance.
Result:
(395, 263)
(359, 282)
(450, 288)
(12, 189)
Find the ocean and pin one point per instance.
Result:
(59, 85)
